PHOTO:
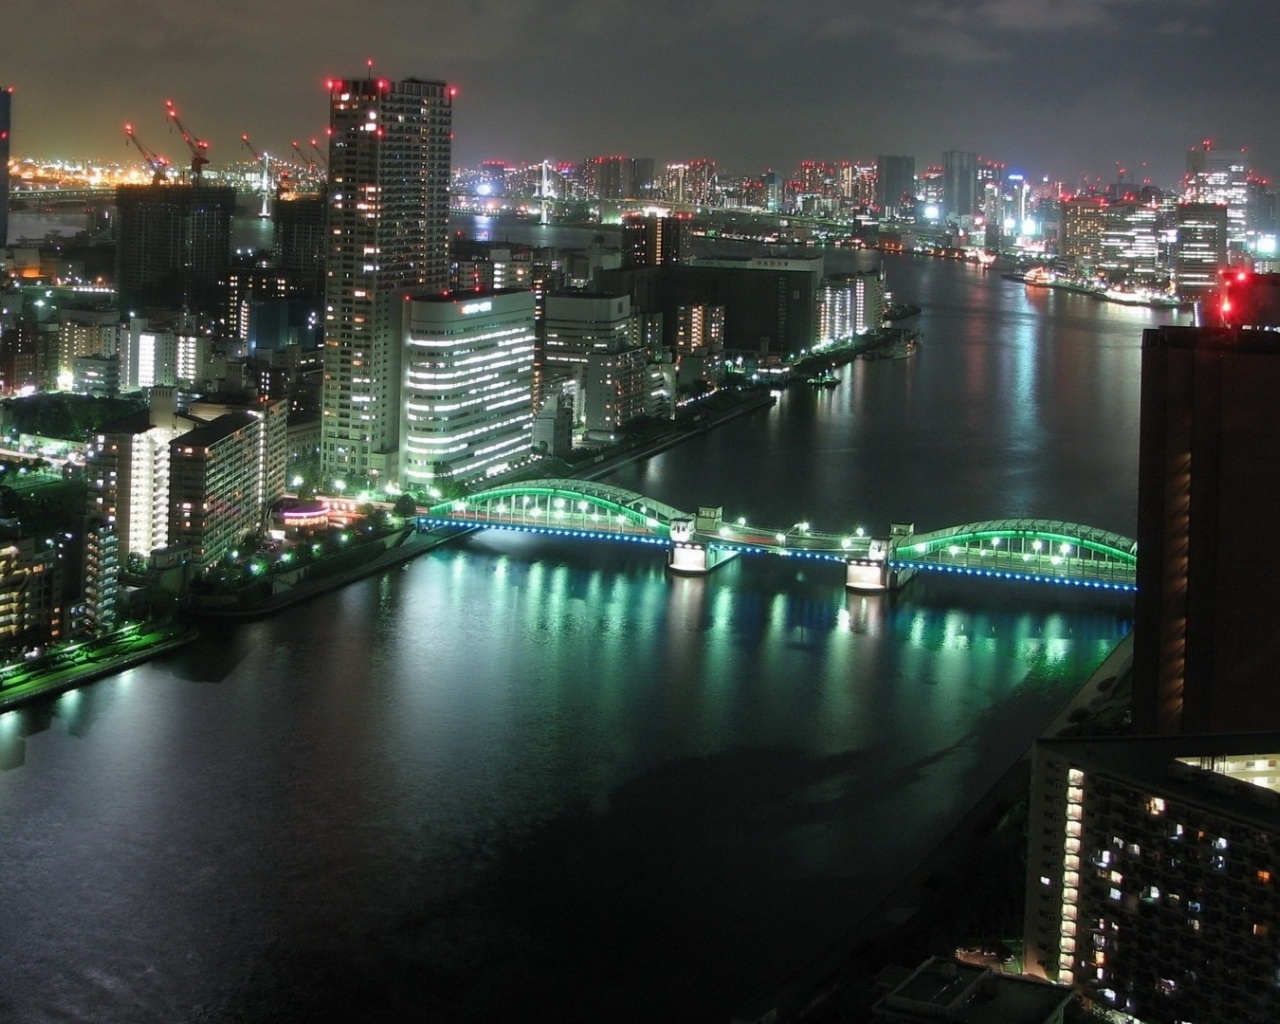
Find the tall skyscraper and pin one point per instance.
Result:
(1221, 177)
(896, 186)
(1205, 637)
(388, 227)
(6, 106)
(959, 186)
(1202, 247)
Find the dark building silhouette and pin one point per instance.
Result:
(300, 240)
(959, 185)
(1207, 629)
(174, 247)
(6, 106)
(896, 185)
(771, 304)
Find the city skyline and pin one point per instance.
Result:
(1073, 91)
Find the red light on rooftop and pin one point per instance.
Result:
(453, 91)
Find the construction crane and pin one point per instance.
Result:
(306, 160)
(158, 164)
(320, 157)
(197, 146)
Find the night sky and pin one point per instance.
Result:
(1065, 88)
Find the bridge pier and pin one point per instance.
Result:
(687, 557)
(865, 576)
(684, 559)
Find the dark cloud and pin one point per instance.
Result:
(1058, 87)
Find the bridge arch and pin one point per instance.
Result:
(1047, 550)
(577, 505)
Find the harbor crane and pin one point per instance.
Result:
(196, 145)
(158, 164)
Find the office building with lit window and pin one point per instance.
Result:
(468, 409)
(387, 235)
(1083, 223)
(1153, 875)
(1201, 247)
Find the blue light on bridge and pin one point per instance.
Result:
(1017, 576)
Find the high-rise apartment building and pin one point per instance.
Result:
(1205, 637)
(127, 473)
(852, 304)
(616, 391)
(6, 108)
(214, 477)
(387, 232)
(173, 247)
(272, 454)
(651, 240)
(31, 608)
(100, 573)
(1153, 875)
(468, 386)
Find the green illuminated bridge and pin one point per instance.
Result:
(1034, 550)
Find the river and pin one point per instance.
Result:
(536, 780)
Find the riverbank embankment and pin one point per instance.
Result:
(29, 681)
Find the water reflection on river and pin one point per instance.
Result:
(540, 778)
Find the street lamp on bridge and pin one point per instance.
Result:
(798, 527)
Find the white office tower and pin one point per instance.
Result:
(387, 237)
(468, 410)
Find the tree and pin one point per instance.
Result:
(405, 506)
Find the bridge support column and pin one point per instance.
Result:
(875, 577)
(696, 559)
